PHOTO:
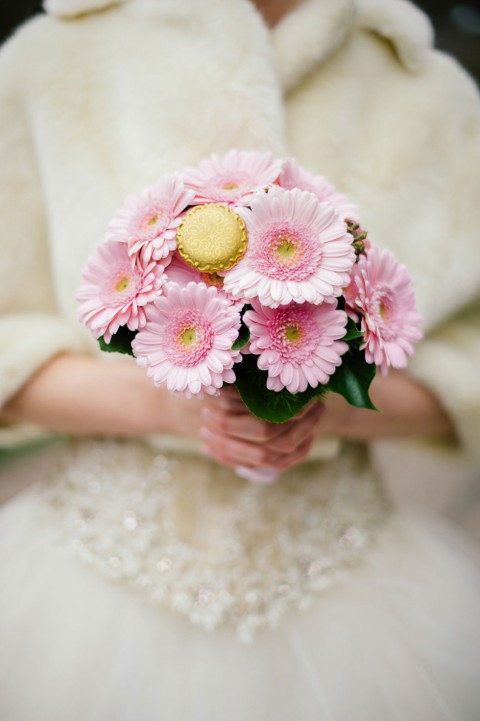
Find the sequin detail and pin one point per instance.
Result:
(198, 540)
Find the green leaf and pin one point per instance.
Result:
(243, 337)
(351, 331)
(353, 378)
(121, 341)
(273, 406)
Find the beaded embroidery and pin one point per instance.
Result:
(197, 539)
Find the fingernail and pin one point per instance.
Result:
(207, 414)
(206, 434)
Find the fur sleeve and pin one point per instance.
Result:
(32, 330)
(448, 363)
(432, 472)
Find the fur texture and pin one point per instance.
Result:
(74, 8)
(401, 23)
(308, 35)
(369, 104)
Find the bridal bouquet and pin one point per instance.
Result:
(249, 270)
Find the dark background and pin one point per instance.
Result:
(457, 25)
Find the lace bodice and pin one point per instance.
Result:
(197, 539)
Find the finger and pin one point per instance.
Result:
(229, 401)
(240, 425)
(283, 463)
(293, 435)
(246, 426)
(231, 453)
(234, 451)
(230, 391)
(314, 403)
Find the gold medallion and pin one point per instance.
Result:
(212, 238)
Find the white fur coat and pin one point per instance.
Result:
(101, 97)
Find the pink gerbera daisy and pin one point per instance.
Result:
(381, 293)
(294, 175)
(231, 179)
(187, 342)
(298, 250)
(113, 293)
(149, 220)
(298, 345)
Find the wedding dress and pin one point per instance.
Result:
(140, 583)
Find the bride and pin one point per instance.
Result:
(145, 579)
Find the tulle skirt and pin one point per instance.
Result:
(397, 639)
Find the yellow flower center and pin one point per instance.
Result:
(154, 219)
(292, 333)
(230, 186)
(122, 284)
(286, 248)
(384, 311)
(188, 336)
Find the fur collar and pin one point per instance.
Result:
(311, 32)
(404, 25)
(308, 35)
(75, 8)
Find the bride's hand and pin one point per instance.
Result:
(233, 436)
(80, 395)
